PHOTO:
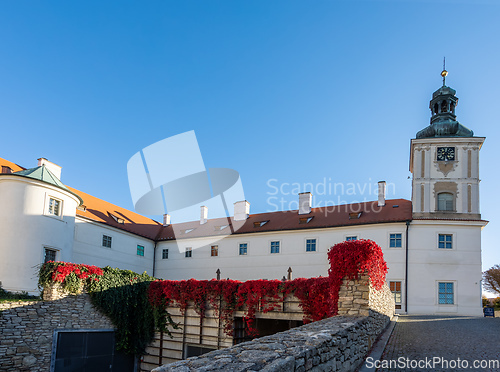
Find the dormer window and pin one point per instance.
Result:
(6, 169)
(187, 231)
(305, 220)
(445, 201)
(260, 223)
(355, 216)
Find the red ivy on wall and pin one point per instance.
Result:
(349, 259)
(318, 297)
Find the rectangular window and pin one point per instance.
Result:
(243, 249)
(189, 252)
(106, 241)
(275, 247)
(50, 255)
(310, 245)
(54, 207)
(395, 241)
(446, 293)
(445, 241)
(396, 291)
(214, 251)
(164, 254)
(351, 238)
(140, 250)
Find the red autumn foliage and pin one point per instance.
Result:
(63, 269)
(351, 258)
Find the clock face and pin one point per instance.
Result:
(445, 153)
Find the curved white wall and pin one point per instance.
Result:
(26, 229)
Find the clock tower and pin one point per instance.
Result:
(444, 163)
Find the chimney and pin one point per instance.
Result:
(241, 210)
(305, 201)
(166, 219)
(203, 215)
(381, 193)
(53, 168)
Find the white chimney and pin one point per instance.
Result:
(203, 215)
(166, 219)
(53, 168)
(305, 201)
(241, 210)
(381, 193)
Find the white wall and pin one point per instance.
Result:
(88, 248)
(427, 264)
(26, 229)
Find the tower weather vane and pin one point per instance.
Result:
(444, 73)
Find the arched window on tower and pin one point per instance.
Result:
(445, 201)
(444, 106)
(452, 108)
(436, 108)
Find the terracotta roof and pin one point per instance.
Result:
(101, 211)
(11, 165)
(395, 210)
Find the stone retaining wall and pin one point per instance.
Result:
(27, 328)
(339, 343)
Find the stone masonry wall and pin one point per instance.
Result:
(338, 343)
(27, 328)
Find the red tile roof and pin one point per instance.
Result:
(395, 210)
(101, 211)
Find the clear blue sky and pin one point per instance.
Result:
(296, 91)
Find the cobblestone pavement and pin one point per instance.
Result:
(458, 340)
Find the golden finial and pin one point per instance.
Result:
(444, 73)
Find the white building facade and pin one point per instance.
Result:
(432, 244)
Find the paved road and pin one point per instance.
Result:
(457, 340)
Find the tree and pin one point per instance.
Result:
(491, 279)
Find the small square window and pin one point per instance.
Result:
(214, 250)
(189, 252)
(106, 241)
(164, 254)
(50, 255)
(275, 247)
(351, 238)
(140, 250)
(446, 292)
(395, 240)
(243, 249)
(396, 291)
(54, 207)
(310, 245)
(445, 241)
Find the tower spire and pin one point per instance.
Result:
(444, 73)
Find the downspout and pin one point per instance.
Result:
(154, 258)
(406, 267)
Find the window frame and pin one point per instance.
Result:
(164, 250)
(400, 292)
(47, 208)
(453, 293)
(188, 253)
(395, 233)
(52, 249)
(140, 250)
(271, 246)
(315, 245)
(110, 241)
(246, 249)
(453, 202)
(445, 234)
(214, 250)
(356, 237)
